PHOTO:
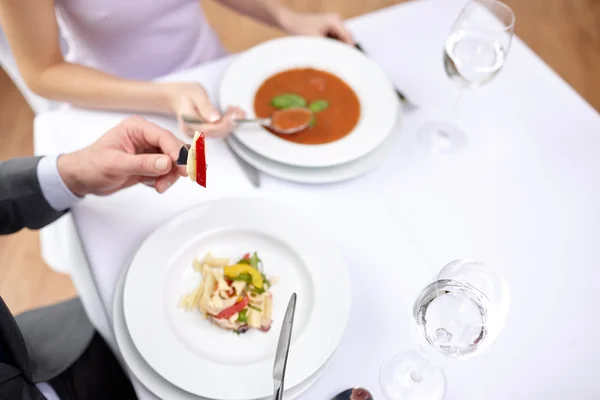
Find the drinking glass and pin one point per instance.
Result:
(474, 53)
(458, 315)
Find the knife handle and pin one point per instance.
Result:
(359, 48)
(279, 393)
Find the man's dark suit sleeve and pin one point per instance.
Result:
(22, 203)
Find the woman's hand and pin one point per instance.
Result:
(191, 100)
(322, 24)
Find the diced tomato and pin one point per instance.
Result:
(236, 308)
(247, 256)
(266, 327)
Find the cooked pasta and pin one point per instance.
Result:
(235, 297)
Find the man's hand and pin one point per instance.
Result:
(135, 151)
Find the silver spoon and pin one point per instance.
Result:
(188, 119)
(354, 394)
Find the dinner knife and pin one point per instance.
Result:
(251, 173)
(403, 99)
(249, 170)
(283, 348)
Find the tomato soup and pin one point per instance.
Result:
(335, 105)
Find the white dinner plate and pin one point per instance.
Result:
(319, 175)
(151, 379)
(204, 360)
(375, 92)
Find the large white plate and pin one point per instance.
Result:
(319, 175)
(152, 380)
(196, 356)
(375, 92)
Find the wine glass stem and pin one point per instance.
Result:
(416, 375)
(456, 107)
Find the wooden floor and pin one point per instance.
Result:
(565, 33)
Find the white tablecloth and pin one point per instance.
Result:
(523, 196)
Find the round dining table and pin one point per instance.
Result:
(523, 195)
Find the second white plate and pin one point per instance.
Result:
(375, 92)
(204, 360)
(319, 175)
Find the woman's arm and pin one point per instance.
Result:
(33, 34)
(269, 12)
(273, 13)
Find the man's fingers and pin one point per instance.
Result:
(148, 181)
(219, 129)
(165, 182)
(148, 165)
(145, 134)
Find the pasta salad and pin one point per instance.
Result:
(234, 297)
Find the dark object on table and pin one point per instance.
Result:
(354, 394)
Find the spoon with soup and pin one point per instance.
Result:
(286, 122)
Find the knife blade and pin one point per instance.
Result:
(409, 105)
(403, 99)
(283, 348)
(251, 173)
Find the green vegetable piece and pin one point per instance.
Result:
(254, 308)
(255, 261)
(318, 106)
(245, 277)
(312, 122)
(256, 290)
(288, 100)
(265, 280)
(242, 316)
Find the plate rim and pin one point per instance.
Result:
(194, 388)
(253, 158)
(300, 162)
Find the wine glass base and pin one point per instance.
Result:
(409, 376)
(441, 137)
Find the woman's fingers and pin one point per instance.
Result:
(339, 30)
(202, 104)
(219, 129)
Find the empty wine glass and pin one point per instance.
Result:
(474, 53)
(458, 315)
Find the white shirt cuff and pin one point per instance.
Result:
(55, 191)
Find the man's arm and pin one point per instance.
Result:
(35, 191)
(32, 193)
